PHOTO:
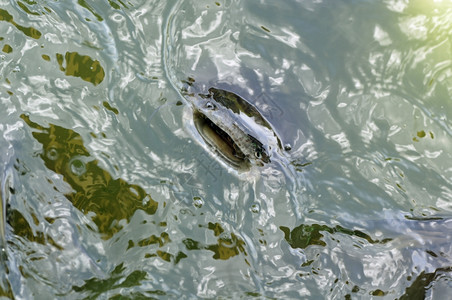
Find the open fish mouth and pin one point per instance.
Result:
(223, 144)
(232, 127)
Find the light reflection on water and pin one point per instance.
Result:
(108, 194)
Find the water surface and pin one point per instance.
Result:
(107, 193)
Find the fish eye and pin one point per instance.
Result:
(258, 154)
(210, 105)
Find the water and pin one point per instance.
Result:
(106, 193)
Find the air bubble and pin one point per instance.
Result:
(287, 147)
(52, 154)
(210, 105)
(198, 202)
(226, 240)
(77, 166)
(255, 208)
(146, 200)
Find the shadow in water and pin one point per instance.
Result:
(226, 247)
(94, 189)
(307, 235)
(425, 281)
(429, 235)
(107, 201)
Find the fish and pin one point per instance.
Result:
(232, 127)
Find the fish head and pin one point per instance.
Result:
(229, 133)
(232, 126)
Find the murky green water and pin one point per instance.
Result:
(107, 192)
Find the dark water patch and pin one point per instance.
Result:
(117, 279)
(140, 296)
(26, 9)
(224, 249)
(7, 48)
(28, 31)
(423, 283)
(168, 257)
(33, 8)
(378, 293)
(21, 227)
(265, 29)
(226, 246)
(161, 240)
(81, 66)
(95, 190)
(5, 290)
(110, 108)
(304, 236)
(85, 5)
(422, 134)
(116, 5)
(6, 193)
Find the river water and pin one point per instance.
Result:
(107, 193)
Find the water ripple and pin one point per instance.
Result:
(106, 193)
